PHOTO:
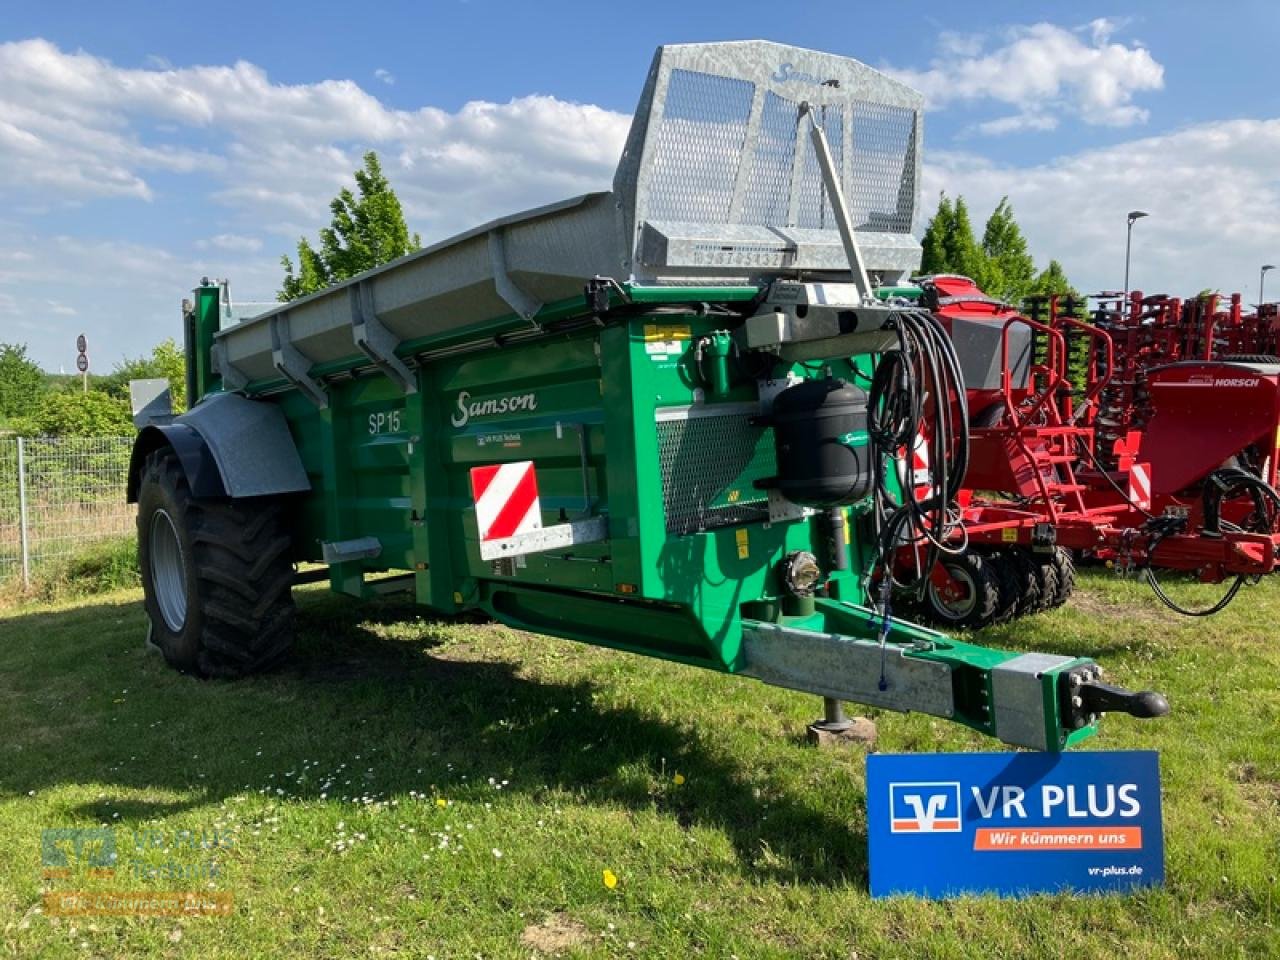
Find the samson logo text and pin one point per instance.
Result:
(788, 71)
(924, 807)
(468, 409)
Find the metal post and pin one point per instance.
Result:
(1128, 246)
(1134, 216)
(22, 514)
(1262, 281)
(833, 712)
(831, 178)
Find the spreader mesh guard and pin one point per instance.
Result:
(720, 178)
(719, 185)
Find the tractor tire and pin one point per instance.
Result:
(978, 594)
(1064, 570)
(216, 575)
(1010, 589)
(1046, 575)
(1029, 581)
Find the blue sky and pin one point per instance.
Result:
(145, 145)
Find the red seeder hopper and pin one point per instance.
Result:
(1146, 439)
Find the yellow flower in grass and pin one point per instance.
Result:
(610, 879)
(441, 802)
(678, 779)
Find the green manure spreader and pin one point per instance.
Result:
(674, 418)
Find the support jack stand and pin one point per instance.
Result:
(835, 729)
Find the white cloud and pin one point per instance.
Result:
(1209, 188)
(123, 296)
(75, 126)
(232, 242)
(1043, 71)
(386, 76)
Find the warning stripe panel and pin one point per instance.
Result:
(1140, 485)
(481, 477)
(513, 516)
(506, 499)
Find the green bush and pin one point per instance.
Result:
(98, 568)
(72, 413)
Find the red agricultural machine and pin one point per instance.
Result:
(1085, 441)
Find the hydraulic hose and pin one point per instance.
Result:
(918, 383)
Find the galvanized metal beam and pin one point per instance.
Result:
(290, 363)
(522, 302)
(377, 342)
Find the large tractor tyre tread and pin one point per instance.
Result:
(1007, 577)
(217, 575)
(1029, 582)
(978, 607)
(1046, 583)
(1064, 569)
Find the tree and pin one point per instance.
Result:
(167, 362)
(949, 244)
(364, 233)
(963, 251)
(934, 241)
(72, 413)
(1011, 269)
(1053, 280)
(22, 383)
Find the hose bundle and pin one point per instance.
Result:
(918, 390)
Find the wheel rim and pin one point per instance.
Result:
(959, 597)
(168, 571)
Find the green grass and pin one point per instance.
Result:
(328, 775)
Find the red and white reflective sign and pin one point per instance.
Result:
(506, 499)
(921, 476)
(1140, 485)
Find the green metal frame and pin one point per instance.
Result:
(394, 466)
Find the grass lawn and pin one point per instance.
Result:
(407, 788)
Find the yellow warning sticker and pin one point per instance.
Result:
(744, 548)
(667, 331)
(1009, 534)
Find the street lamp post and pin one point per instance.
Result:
(1262, 280)
(1134, 215)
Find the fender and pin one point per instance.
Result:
(229, 446)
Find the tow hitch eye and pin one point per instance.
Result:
(1087, 697)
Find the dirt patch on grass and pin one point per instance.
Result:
(555, 934)
(1257, 790)
(1096, 605)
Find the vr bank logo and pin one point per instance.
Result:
(924, 807)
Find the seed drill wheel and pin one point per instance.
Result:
(1026, 579)
(970, 595)
(1064, 573)
(1006, 572)
(216, 575)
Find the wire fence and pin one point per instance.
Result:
(57, 494)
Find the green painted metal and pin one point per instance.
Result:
(206, 317)
(609, 429)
